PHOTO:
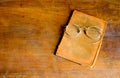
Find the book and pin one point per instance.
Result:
(82, 39)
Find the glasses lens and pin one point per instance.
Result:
(93, 32)
(72, 30)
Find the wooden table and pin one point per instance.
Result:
(31, 29)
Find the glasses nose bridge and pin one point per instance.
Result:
(80, 27)
(83, 28)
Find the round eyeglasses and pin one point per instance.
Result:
(92, 32)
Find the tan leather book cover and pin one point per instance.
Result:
(82, 39)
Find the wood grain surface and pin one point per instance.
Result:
(30, 31)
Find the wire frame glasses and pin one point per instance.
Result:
(92, 32)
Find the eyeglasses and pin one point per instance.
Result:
(92, 32)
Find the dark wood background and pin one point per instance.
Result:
(31, 29)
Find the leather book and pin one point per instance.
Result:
(82, 39)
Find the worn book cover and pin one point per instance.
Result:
(82, 39)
